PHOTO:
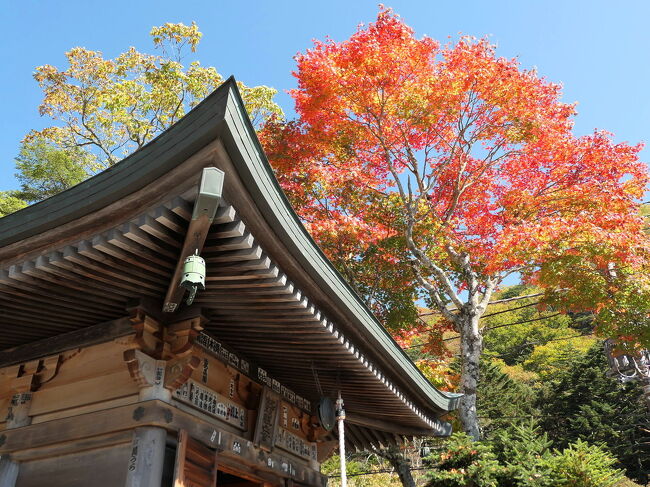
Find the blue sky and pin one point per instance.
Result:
(599, 50)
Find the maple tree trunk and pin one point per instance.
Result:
(401, 465)
(403, 470)
(470, 353)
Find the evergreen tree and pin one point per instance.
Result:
(465, 463)
(502, 400)
(582, 465)
(521, 457)
(583, 403)
(526, 452)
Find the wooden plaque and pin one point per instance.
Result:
(267, 420)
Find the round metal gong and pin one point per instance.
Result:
(326, 413)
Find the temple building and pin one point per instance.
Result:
(108, 377)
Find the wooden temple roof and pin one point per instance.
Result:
(79, 258)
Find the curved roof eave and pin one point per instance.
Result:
(257, 174)
(222, 115)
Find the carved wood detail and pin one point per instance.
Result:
(149, 333)
(142, 367)
(181, 335)
(179, 371)
(27, 378)
(163, 347)
(146, 371)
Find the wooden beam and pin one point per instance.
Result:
(233, 243)
(67, 448)
(90, 335)
(387, 426)
(103, 245)
(205, 209)
(157, 414)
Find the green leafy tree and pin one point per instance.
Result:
(110, 107)
(104, 109)
(45, 169)
(9, 203)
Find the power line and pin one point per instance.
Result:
(521, 322)
(375, 472)
(498, 301)
(456, 337)
(544, 342)
(485, 316)
(489, 314)
(511, 309)
(539, 342)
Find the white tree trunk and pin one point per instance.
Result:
(470, 353)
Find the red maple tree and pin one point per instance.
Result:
(461, 160)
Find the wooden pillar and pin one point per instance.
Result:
(8, 471)
(145, 466)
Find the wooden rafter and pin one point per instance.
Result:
(205, 210)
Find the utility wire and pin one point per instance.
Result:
(456, 337)
(498, 301)
(539, 342)
(511, 309)
(520, 322)
(374, 472)
(487, 315)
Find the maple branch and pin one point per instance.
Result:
(420, 257)
(490, 286)
(435, 296)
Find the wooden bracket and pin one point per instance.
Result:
(324, 449)
(178, 372)
(143, 368)
(147, 372)
(316, 431)
(165, 356)
(48, 369)
(180, 336)
(27, 378)
(149, 332)
(163, 341)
